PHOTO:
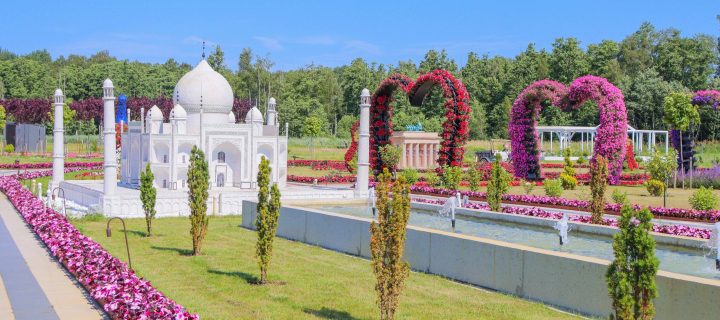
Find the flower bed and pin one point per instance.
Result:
(122, 294)
(322, 179)
(572, 204)
(313, 163)
(47, 165)
(675, 230)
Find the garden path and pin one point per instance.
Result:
(33, 285)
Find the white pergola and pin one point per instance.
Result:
(641, 139)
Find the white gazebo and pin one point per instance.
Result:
(641, 139)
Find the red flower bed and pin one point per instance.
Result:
(46, 165)
(313, 163)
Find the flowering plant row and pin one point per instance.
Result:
(313, 163)
(322, 179)
(706, 98)
(46, 165)
(122, 294)
(671, 229)
(525, 112)
(573, 204)
(352, 149)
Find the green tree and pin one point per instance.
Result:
(387, 242)
(686, 60)
(636, 50)
(3, 118)
(266, 222)
(198, 184)
(432, 105)
(644, 97)
(390, 156)
(473, 177)
(603, 60)
(498, 185)
(148, 195)
(216, 60)
(631, 275)
(598, 184)
(568, 61)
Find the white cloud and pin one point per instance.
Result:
(363, 46)
(270, 43)
(316, 40)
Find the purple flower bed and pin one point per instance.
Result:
(675, 230)
(109, 281)
(701, 215)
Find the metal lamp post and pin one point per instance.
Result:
(59, 190)
(108, 232)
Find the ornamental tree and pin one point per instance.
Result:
(631, 275)
(148, 195)
(387, 242)
(680, 114)
(198, 184)
(266, 222)
(391, 156)
(498, 184)
(598, 183)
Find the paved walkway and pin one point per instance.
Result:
(33, 285)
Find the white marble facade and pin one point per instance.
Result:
(203, 117)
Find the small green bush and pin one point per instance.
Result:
(473, 178)
(411, 175)
(581, 160)
(619, 197)
(553, 187)
(451, 177)
(433, 180)
(704, 199)
(567, 181)
(9, 148)
(655, 187)
(528, 186)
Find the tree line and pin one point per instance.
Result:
(647, 65)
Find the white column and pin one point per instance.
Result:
(403, 159)
(416, 155)
(361, 186)
(427, 155)
(110, 163)
(58, 171)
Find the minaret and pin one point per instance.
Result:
(361, 186)
(110, 164)
(58, 141)
(271, 113)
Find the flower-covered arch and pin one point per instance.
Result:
(611, 133)
(352, 149)
(455, 127)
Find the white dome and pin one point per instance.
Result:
(204, 84)
(155, 114)
(107, 83)
(58, 93)
(254, 115)
(231, 117)
(178, 112)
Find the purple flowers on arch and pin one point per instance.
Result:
(611, 133)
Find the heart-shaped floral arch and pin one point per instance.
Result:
(611, 134)
(457, 113)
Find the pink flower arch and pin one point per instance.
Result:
(611, 134)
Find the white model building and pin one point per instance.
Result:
(202, 116)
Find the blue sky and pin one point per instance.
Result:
(332, 33)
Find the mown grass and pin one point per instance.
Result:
(308, 282)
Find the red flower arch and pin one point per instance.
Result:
(455, 127)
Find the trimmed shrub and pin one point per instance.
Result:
(9, 148)
(655, 187)
(619, 197)
(598, 183)
(704, 199)
(553, 187)
(473, 177)
(411, 175)
(528, 186)
(498, 185)
(567, 181)
(451, 177)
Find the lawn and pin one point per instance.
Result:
(308, 282)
